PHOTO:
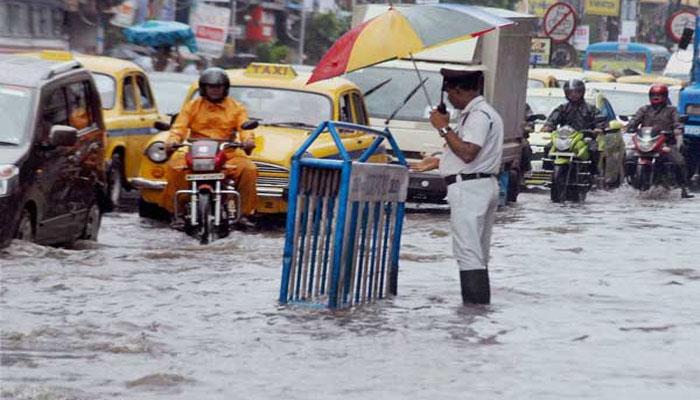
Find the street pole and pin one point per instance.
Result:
(302, 33)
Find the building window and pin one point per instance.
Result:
(58, 23)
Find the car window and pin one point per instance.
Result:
(544, 104)
(626, 103)
(358, 107)
(129, 97)
(534, 83)
(79, 110)
(345, 110)
(55, 109)
(144, 92)
(107, 87)
(15, 107)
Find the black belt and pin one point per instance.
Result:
(450, 179)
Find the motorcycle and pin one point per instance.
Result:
(569, 158)
(212, 204)
(646, 165)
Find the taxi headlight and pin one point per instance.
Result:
(156, 152)
(8, 178)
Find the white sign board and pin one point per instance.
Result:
(623, 42)
(628, 29)
(210, 26)
(581, 38)
(124, 14)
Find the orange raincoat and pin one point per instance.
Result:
(201, 119)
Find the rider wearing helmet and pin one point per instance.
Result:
(575, 112)
(663, 117)
(213, 115)
(579, 115)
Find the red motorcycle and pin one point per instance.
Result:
(212, 203)
(647, 163)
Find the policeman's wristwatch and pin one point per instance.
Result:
(444, 131)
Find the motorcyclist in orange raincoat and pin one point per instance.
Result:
(213, 115)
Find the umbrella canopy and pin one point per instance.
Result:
(156, 33)
(398, 33)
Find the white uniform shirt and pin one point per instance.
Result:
(480, 124)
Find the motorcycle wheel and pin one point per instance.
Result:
(557, 191)
(643, 177)
(204, 216)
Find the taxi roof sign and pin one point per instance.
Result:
(56, 55)
(267, 70)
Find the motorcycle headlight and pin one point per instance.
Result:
(562, 144)
(646, 145)
(156, 152)
(8, 178)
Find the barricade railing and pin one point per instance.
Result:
(344, 223)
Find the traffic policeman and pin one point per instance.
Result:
(469, 164)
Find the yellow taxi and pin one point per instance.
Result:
(647, 79)
(288, 110)
(129, 111)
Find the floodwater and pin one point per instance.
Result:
(592, 301)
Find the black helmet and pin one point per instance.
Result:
(213, 76)
(573, 85)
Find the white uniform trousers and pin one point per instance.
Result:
(473, 205)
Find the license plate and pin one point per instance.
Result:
(204, 177)
(692, 129)
(536, 166)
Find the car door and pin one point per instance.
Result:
(89, 150)
(55, 170)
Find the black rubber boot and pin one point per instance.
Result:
(475, 286)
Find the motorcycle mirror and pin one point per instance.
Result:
(686, 37)
(250, 124)
(161, 126)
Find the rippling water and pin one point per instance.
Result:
(592, 301)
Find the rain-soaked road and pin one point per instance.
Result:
(600, 301)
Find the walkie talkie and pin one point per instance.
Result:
(442, 108)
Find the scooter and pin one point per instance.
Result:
(570, 158)
(645, 165)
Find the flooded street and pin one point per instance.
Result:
(592, 301)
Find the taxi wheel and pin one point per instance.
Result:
(25, 229)
(92, 223)
(116, 180)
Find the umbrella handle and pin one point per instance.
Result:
(422, 82)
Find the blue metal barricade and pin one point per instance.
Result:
(344, 223)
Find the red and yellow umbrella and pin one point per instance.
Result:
(400, 32)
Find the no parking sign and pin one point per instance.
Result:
(560, 22)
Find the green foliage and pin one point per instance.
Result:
(272, 52)
(509, 4)
(322, 30)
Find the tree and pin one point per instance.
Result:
(322, 30)
(272, 52)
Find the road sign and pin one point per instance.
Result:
(677, 22)
(560, 22)
(540, 50)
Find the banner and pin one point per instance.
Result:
(210, 26)
(609, 8)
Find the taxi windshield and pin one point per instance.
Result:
(273, 105)
(15, 103)
(106, 85)
(386, 99)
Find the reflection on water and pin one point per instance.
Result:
(602, 292)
